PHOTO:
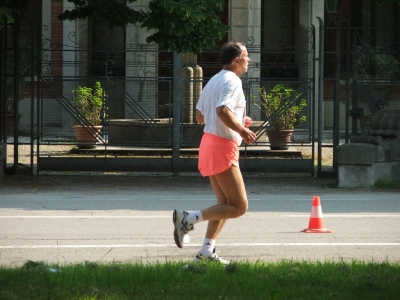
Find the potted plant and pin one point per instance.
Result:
(281, 106)
(89, 109)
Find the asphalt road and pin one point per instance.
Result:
(69, 219)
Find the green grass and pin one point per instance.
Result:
(172, 280)
(387, 184)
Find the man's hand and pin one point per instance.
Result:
(229, 120)
(247, 122)
(248, 136)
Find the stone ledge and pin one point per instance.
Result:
(389, 151)
(357, 154)
(366, 154)
(361, 164)
(364, 176)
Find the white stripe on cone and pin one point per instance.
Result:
(316, 212)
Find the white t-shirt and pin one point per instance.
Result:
(224, 88)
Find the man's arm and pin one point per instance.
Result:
(230, 121)
(199, 117)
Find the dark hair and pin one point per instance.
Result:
(230, 50)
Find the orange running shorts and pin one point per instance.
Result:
(216, 154)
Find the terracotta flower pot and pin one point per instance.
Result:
(279, 139)
(86, 136)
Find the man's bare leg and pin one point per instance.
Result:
(231, 197)
(214, 227)
(231, 203)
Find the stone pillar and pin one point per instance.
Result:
(245, 21)
(69, 42)
(198, 88)
(69, 69)
(82, 38)
(309, 10)
(46, 33)
(187, 95)
(141, 66)
(188, 62)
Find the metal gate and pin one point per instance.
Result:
(361, 76)
(372, 77)
(137, 126)
(19, 65)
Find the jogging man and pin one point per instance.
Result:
(221, 107)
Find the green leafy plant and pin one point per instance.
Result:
(282, 106)
(4, 14)
(89, 102)
(184, 26)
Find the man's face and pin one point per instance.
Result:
(243, 61)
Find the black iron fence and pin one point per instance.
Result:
(137, 113)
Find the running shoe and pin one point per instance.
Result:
(182, 227)
(212, 258)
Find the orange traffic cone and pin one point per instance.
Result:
(316, 224)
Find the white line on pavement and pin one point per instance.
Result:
(269, 199)
(167, 216)
(194, 245)
(348, 216)
(85, 217)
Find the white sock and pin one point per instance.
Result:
(194, 217)
(208, 247)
